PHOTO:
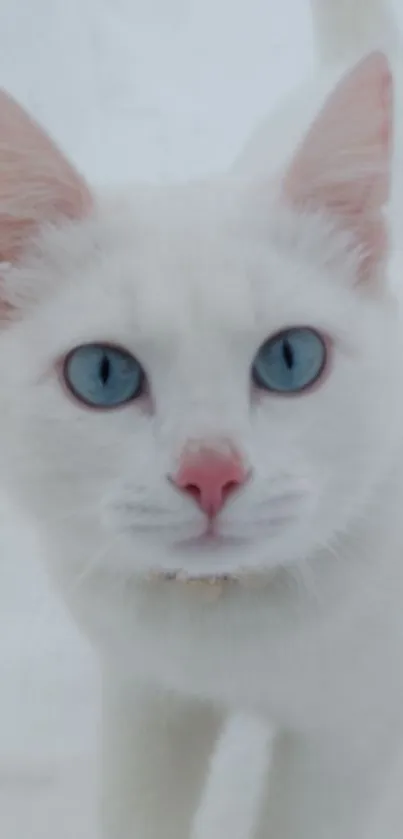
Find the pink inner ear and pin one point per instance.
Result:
(343, 164)
(37, 184)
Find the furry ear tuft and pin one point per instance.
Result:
(343, 165)
(37, 184)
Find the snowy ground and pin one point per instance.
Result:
(150, 88)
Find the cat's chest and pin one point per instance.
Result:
(306, 675)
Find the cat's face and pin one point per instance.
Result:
(192, 295)
(202, 380)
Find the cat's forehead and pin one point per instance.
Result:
(178, 255)
(201, 260)
(213, 254)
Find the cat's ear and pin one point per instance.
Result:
(37, 184)
(343, 164)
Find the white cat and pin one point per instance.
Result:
(201, 403)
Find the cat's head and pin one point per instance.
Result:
(201, 379)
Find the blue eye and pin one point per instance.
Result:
(290, 361)
(103, 376)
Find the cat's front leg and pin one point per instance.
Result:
(337, 787)
(155, 755)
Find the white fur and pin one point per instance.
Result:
(191, 280)
(242, 759)
(310, 645)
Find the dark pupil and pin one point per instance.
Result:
(104, 370)
(288, 354)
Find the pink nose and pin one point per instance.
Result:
(210, 477)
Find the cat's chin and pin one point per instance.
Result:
(212, 561)
(209, 542)
(185, 577)
(212, 586)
